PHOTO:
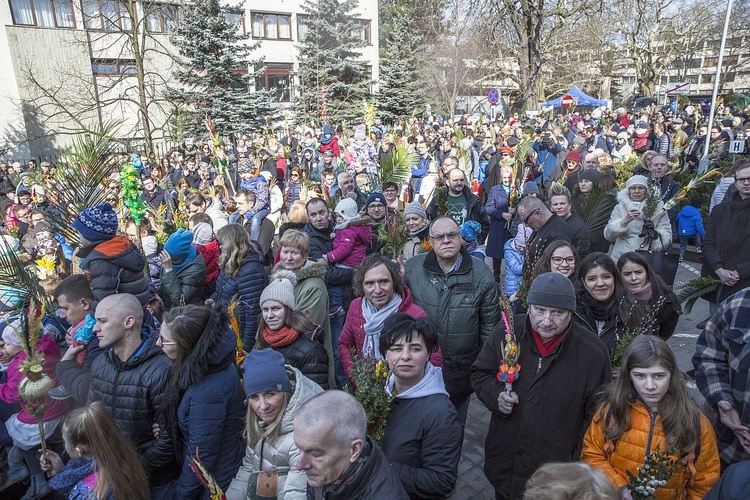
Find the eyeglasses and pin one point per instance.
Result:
(742, 180)
(161, 341)
(559, 260)
(555, 314)
(446, 236)
(526, 219)
(376, 206)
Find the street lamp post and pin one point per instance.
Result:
(703, 165)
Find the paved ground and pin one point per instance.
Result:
(471, 481)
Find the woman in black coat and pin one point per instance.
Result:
(423, 436)
(292, 334)
(207, 397)
(241, 280)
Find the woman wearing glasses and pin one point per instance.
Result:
(650, 291)
(559, 257)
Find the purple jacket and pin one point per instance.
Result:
(350, 244)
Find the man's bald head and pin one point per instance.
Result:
(122, 305)
(591, 161)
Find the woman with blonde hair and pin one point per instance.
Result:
(104, 464)
(241, 280)
(568, 481)
(275, 392)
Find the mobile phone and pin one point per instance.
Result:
(636, 205)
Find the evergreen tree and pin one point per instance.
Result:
(212, 50)
(329, 58)
(402, 86)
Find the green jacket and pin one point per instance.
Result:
(464, 305)
(184, 286)
(311, 299)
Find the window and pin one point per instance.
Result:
(707, 78)
(43, 13)
(237, 17)
(362, 30)
(730, 60)
(113, 67)
(303, 25)
(162, 18)
(277, 79)
(729, 77)
(709, 62)
(109, 15)
(272, 26)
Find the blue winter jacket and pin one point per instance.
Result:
(513, 268)
(690, 222)
(246, 288)
(210, 413)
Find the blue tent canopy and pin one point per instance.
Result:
(583, 99)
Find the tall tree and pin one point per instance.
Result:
(402, 85)
(330, 60)
(215, 72)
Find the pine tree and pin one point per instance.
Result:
(402, 85)
(329, 58)
(212, 51)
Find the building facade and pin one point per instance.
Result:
(69, 64)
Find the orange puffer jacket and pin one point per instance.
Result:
(630, 451)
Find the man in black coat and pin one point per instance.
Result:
(542, 416)
(340, 460)
(547, 226)
(319, 230)
(130, 379)
(463, 205)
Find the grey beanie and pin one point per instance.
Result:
(552, 290)
(281, 290)
(415, 208)
(203, 233)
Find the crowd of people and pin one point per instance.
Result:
(224, 327)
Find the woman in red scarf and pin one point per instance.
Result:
(291, 333)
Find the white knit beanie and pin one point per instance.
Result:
(281, 290)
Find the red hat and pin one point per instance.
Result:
(574, 156)
(506, 149)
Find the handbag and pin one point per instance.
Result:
(663, 262)
(263, 485)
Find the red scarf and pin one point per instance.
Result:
(280, 338)
(547, 348)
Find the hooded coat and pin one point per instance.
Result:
(115, 266)
(212, 407)
(245, 288)
(311, 299)
(184, 286)
(353, 333)
(423, 437)
(134, 392)
(281, 455)
(646, 435)
(350, 243)
(626, 239)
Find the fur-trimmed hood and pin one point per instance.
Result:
(311, 269)
(624, 199)
(213, 352)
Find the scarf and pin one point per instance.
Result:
(602, 311)
(547, 348)
(282, 337)
(645, 293)
(374, 319)
(75, 470)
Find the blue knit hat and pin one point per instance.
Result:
(97, 223)
(470, 230)
(264, 371)
(376, 197)
(179, 244)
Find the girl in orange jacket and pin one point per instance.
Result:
(647, 408)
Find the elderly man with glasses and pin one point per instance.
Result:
(546, 225)
(460, 296)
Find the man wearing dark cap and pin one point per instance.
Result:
(544, 414)
(376, 208)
